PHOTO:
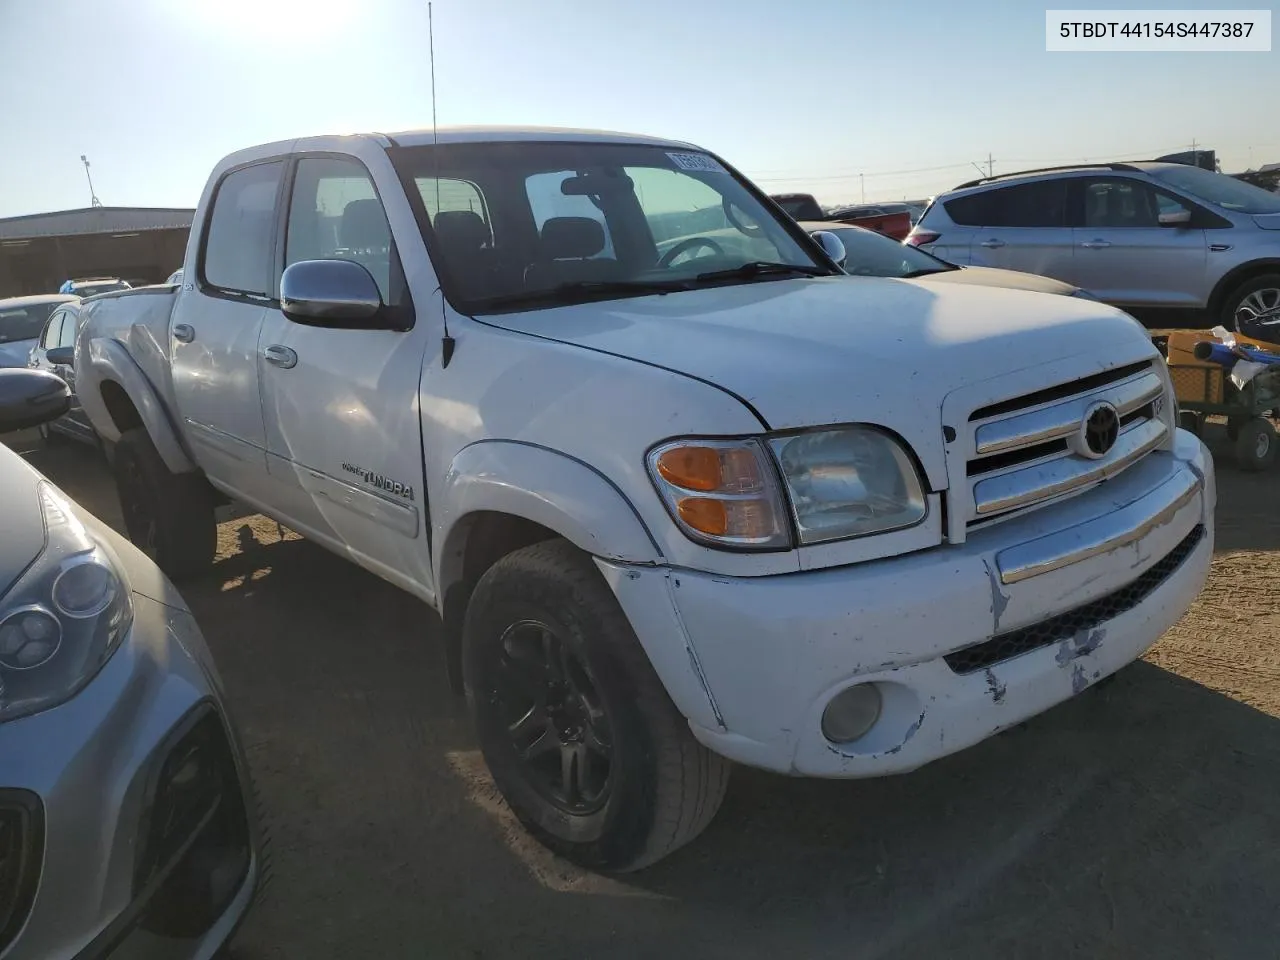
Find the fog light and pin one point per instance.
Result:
(851, 713)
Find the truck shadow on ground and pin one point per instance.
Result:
(1136, 820)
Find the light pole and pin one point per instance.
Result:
(93, 197)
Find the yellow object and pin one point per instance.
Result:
(1199, 381)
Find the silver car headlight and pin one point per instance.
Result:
(835, 484)
(848, 482)
(63, 618)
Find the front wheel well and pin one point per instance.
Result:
(1235, 278)
(483, 539)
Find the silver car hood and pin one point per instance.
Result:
(20, 518)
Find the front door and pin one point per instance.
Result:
(341, 405)
(1125, 256)
(214, 332)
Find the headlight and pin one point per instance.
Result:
(840, 483)
(848, 483)
(62, 619)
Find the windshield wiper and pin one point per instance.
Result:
(925, 271)
(762, 268)
(585, 289)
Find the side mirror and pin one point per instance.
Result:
(29, 398)
(61, 356)
(831, 245)
(1179, 218)
(329, 293)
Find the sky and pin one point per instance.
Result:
(801, 96)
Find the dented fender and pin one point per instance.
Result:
(102, 359)
(539, 484)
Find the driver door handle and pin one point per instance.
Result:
(280, 356)
(184, 332)
(1096, 244)
(992, 244)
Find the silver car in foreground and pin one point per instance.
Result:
(127, 828)
(1165, 240)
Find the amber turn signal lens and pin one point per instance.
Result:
(694, 468)
(705, 516)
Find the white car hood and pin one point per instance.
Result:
(809, 352)
(20, 518)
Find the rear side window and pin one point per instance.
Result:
(1039, 204)
(237, 251)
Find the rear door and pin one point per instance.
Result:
(1125, 256)
(344, 437)
(215, 327)
(1022, 226)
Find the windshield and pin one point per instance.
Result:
(870, 254)
(24, 322)
(517, 225)
(1219, 189)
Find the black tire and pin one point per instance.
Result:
(1240, 296)
(660, 787)
(169, 516)
(1256, 444)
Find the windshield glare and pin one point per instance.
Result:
(1220, 190)
(515, 223)
(870, 254)
(25, 322)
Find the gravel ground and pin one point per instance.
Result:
(1137, 820)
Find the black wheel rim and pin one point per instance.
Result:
(139, 520)
(555, 719)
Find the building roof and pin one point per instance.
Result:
(88, 220)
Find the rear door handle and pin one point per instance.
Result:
(280, 356)
(992, 244)
(1095, 244)
(184, 332)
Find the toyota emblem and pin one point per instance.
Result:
(1099, 431)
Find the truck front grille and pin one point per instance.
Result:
(1071, 623)
(1026, 450)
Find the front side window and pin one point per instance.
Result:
(335, 214)
(70, 328)
(1120, 203)
(560, 222)
(871, 254)
(53, 332)
(237, 251)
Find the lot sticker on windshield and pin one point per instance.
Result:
(696, 161)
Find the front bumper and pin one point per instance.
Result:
(1079, 589)
(149, 840)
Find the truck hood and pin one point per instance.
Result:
(815, 351)
(20, 518)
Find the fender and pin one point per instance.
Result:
(539, 484)
(109, 360)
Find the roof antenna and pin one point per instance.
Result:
(447, 343)
(93, 197)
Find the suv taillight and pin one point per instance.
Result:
(918, 238)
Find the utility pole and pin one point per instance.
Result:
(1195, 152)
(93, 197)
(863, 187)
(991, 166)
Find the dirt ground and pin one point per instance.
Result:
(1139, 820)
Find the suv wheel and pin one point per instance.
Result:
(575, 726)
(1253, 308)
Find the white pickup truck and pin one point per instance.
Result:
(681, 492)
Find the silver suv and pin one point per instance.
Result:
(1158, 239)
